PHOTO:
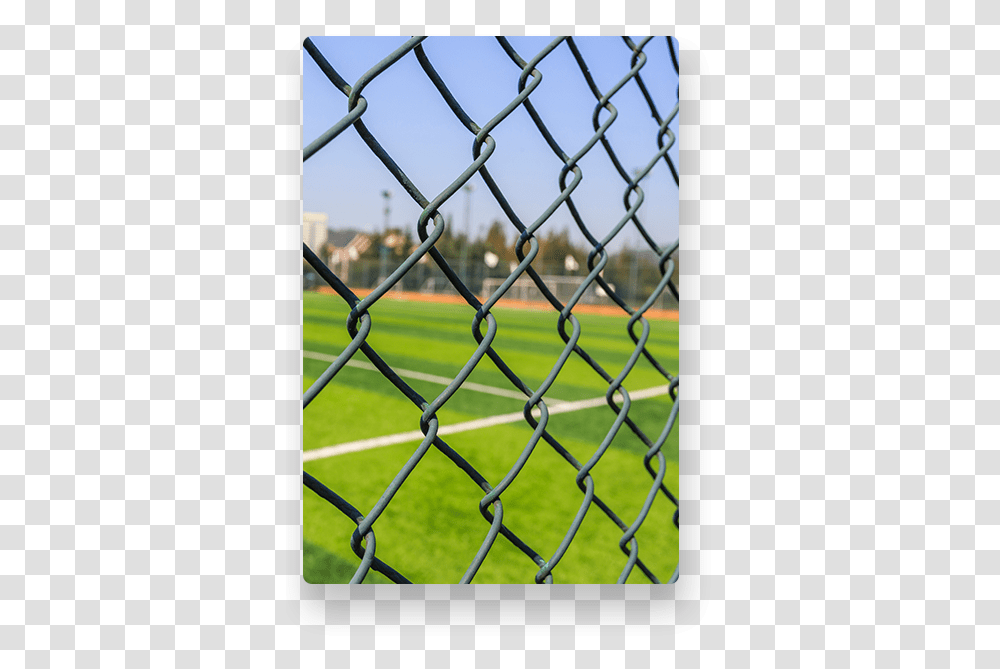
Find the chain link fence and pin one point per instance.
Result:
(431, 225)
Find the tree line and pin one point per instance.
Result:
(634, 271)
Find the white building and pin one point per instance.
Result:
(314, 232)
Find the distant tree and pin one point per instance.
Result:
(635, 272)
(496, 241)
(449, 244)
(326, 253)
(554, 247)
(373, 248)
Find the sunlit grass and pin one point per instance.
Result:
(432, 528)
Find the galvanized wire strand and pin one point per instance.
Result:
(583, 478)
(633, 186)
(638, 60)
(536, 397)
(359, 311)
(481, 137)
(368, 559)
(665, 282)
(359, 322)
(603, 102)
(481, 350)
(350, 298)
(598, 253)
(649, 99)
(677, 67)
(565, 313)
(598, 244)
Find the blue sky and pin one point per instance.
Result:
(415, 126)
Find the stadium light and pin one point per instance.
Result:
(463, 262)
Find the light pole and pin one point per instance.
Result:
(463, 262)
(634, 260)
(383, 249)
(387, 196)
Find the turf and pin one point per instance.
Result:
(320, 566)
(437, 339)
(432, 538)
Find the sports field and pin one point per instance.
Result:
(360, 430)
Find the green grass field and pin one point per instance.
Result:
(432, 529)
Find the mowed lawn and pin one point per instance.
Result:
(432, 528)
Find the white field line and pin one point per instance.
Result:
(416, 435)
(420, 376)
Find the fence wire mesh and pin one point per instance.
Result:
(484, 326)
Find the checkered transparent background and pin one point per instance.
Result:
(840, 345)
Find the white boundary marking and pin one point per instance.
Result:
(420, 376)
(417, 435)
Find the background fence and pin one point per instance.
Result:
(631, 283)
(634, 295)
